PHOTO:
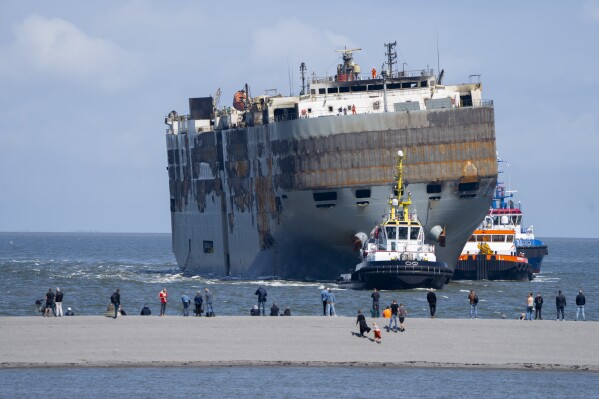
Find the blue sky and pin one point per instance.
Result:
(85, 87)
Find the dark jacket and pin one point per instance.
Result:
(431, 297)
(560, 301)
(145, 311)
(255, 312)
(58, 296)
(274, 310)
(376, 296)
(362, 321)
(580, 300)
(115, 298)
(287, 312)
(261, 292)
(197, 300)
(539, 302)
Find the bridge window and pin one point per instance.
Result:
(208, 247)
(344, 89)
(333, 90)
(510, 238)
(375, 87)
(472, 239)
(498, 238)
(358, 88)
(322, 91)
(483, 238)
(392, 86)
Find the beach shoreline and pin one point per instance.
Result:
(297, 341)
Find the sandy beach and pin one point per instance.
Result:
(134, 341)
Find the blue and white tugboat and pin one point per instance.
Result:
(395, 256)
(526, 244)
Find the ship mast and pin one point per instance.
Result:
(399, 201)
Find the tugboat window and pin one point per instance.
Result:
(391, 233)
(403, 233)
(414, 231)
(472, 239)
(208, 247)
(498, 238)
(510, 238)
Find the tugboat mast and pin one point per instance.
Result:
(399, 201)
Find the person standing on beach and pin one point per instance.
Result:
(330, 304)
(186, 302)
(387, 313)
(560, 304)
(208, 302)
(115, 299)
(323, 296)
(394, 311)
(401, 314)
(50, 298)
(580, 302)
(261, 292)
(473, 298)
(377, 333)
(163, 295)
(431, 298)
(529, 306)
(361, 321)
(58, 301)
(376, 296)
(538, 306)
(197, 300)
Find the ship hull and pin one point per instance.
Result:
(534, 251)
(397, 275)
(286, 199)
(490, 267)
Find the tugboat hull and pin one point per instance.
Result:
(490, 267)
(399, 274)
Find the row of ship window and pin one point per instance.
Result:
(372, 87)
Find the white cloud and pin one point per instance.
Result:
(52, 48)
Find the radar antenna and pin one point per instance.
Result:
(303, 72)
(391, 56)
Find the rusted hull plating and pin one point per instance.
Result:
(285, 199)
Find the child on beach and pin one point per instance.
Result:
(377, 333)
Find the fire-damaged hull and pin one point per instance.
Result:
(285, 199)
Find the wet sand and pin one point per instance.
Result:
(134, 341)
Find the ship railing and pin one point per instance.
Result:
(367, 75)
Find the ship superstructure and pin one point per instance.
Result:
(279, 185)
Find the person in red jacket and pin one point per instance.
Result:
(163, 299)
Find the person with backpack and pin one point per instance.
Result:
(115, 299)
(186, 302)
(261, 292)
(197, 300)
(473, 298)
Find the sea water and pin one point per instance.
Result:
(89, 267)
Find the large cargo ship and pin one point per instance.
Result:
(280, 185)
